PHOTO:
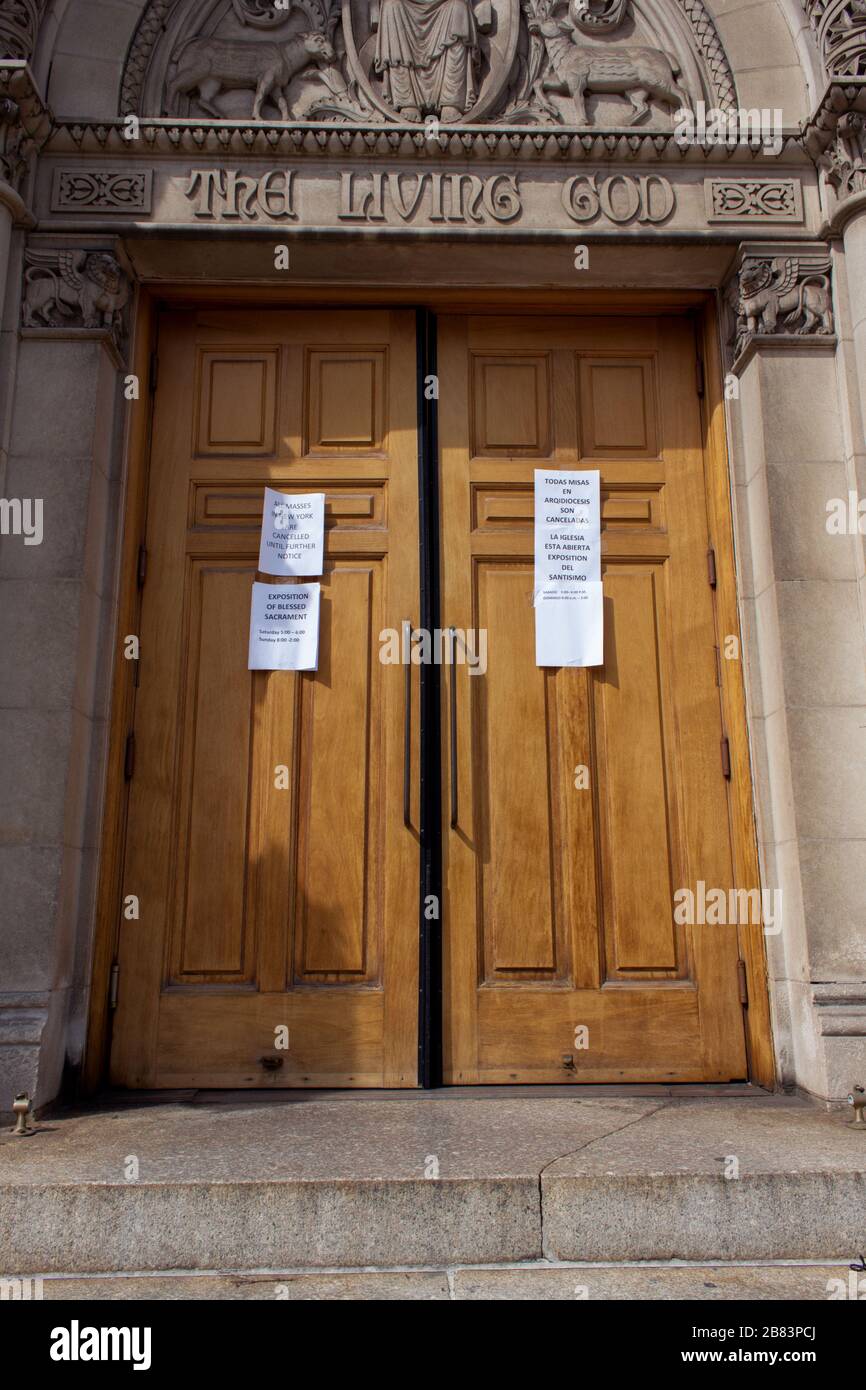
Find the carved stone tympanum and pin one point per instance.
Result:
(504, 63)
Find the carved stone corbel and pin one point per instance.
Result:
(76, 291)
(778, 294)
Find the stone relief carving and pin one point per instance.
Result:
(102, 190)
(458, 62)
(835, 137)
(210, 67)
(844, 160)
(75, 289)
(840, 28)
(19, 27)
(428, 56)
(24, 124)
(413, 59)
(598, 16)
(772, 200)
(781, 295)
(635, 73)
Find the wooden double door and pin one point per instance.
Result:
(271, 853)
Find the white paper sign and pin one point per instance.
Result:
(284, 627)
(293, 533)
(569, 604)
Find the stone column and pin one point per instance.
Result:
(805, 670)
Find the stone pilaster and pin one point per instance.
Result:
(803, 627)
(56, 616)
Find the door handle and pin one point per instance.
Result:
(452, 654)
(407, 723)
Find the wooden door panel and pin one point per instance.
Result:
(559, 900)
(338, 878)
(634, 786)
(212, 927)
(277, 881)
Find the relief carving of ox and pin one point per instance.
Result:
(213, 66)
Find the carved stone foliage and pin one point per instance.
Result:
(19, 27)
(598, 16)
(24, 123)
(75, 290)
(840, 28)
(845, 159)
(836, 137)
(774, 296)
(571, 63)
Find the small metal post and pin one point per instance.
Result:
(21, 1110)
(857, 1099)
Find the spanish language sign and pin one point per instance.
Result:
(569, 607)
(293, 533)
(284, 627)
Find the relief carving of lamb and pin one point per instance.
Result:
(640, 74)
(212, 66)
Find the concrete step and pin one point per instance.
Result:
(432, 1182)
(539, 1282)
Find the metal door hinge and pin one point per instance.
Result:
(743, 983)
(711, 567)
(113, 979)
(726, 757)
(129, 757)
(141, 568)
(699, 375)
